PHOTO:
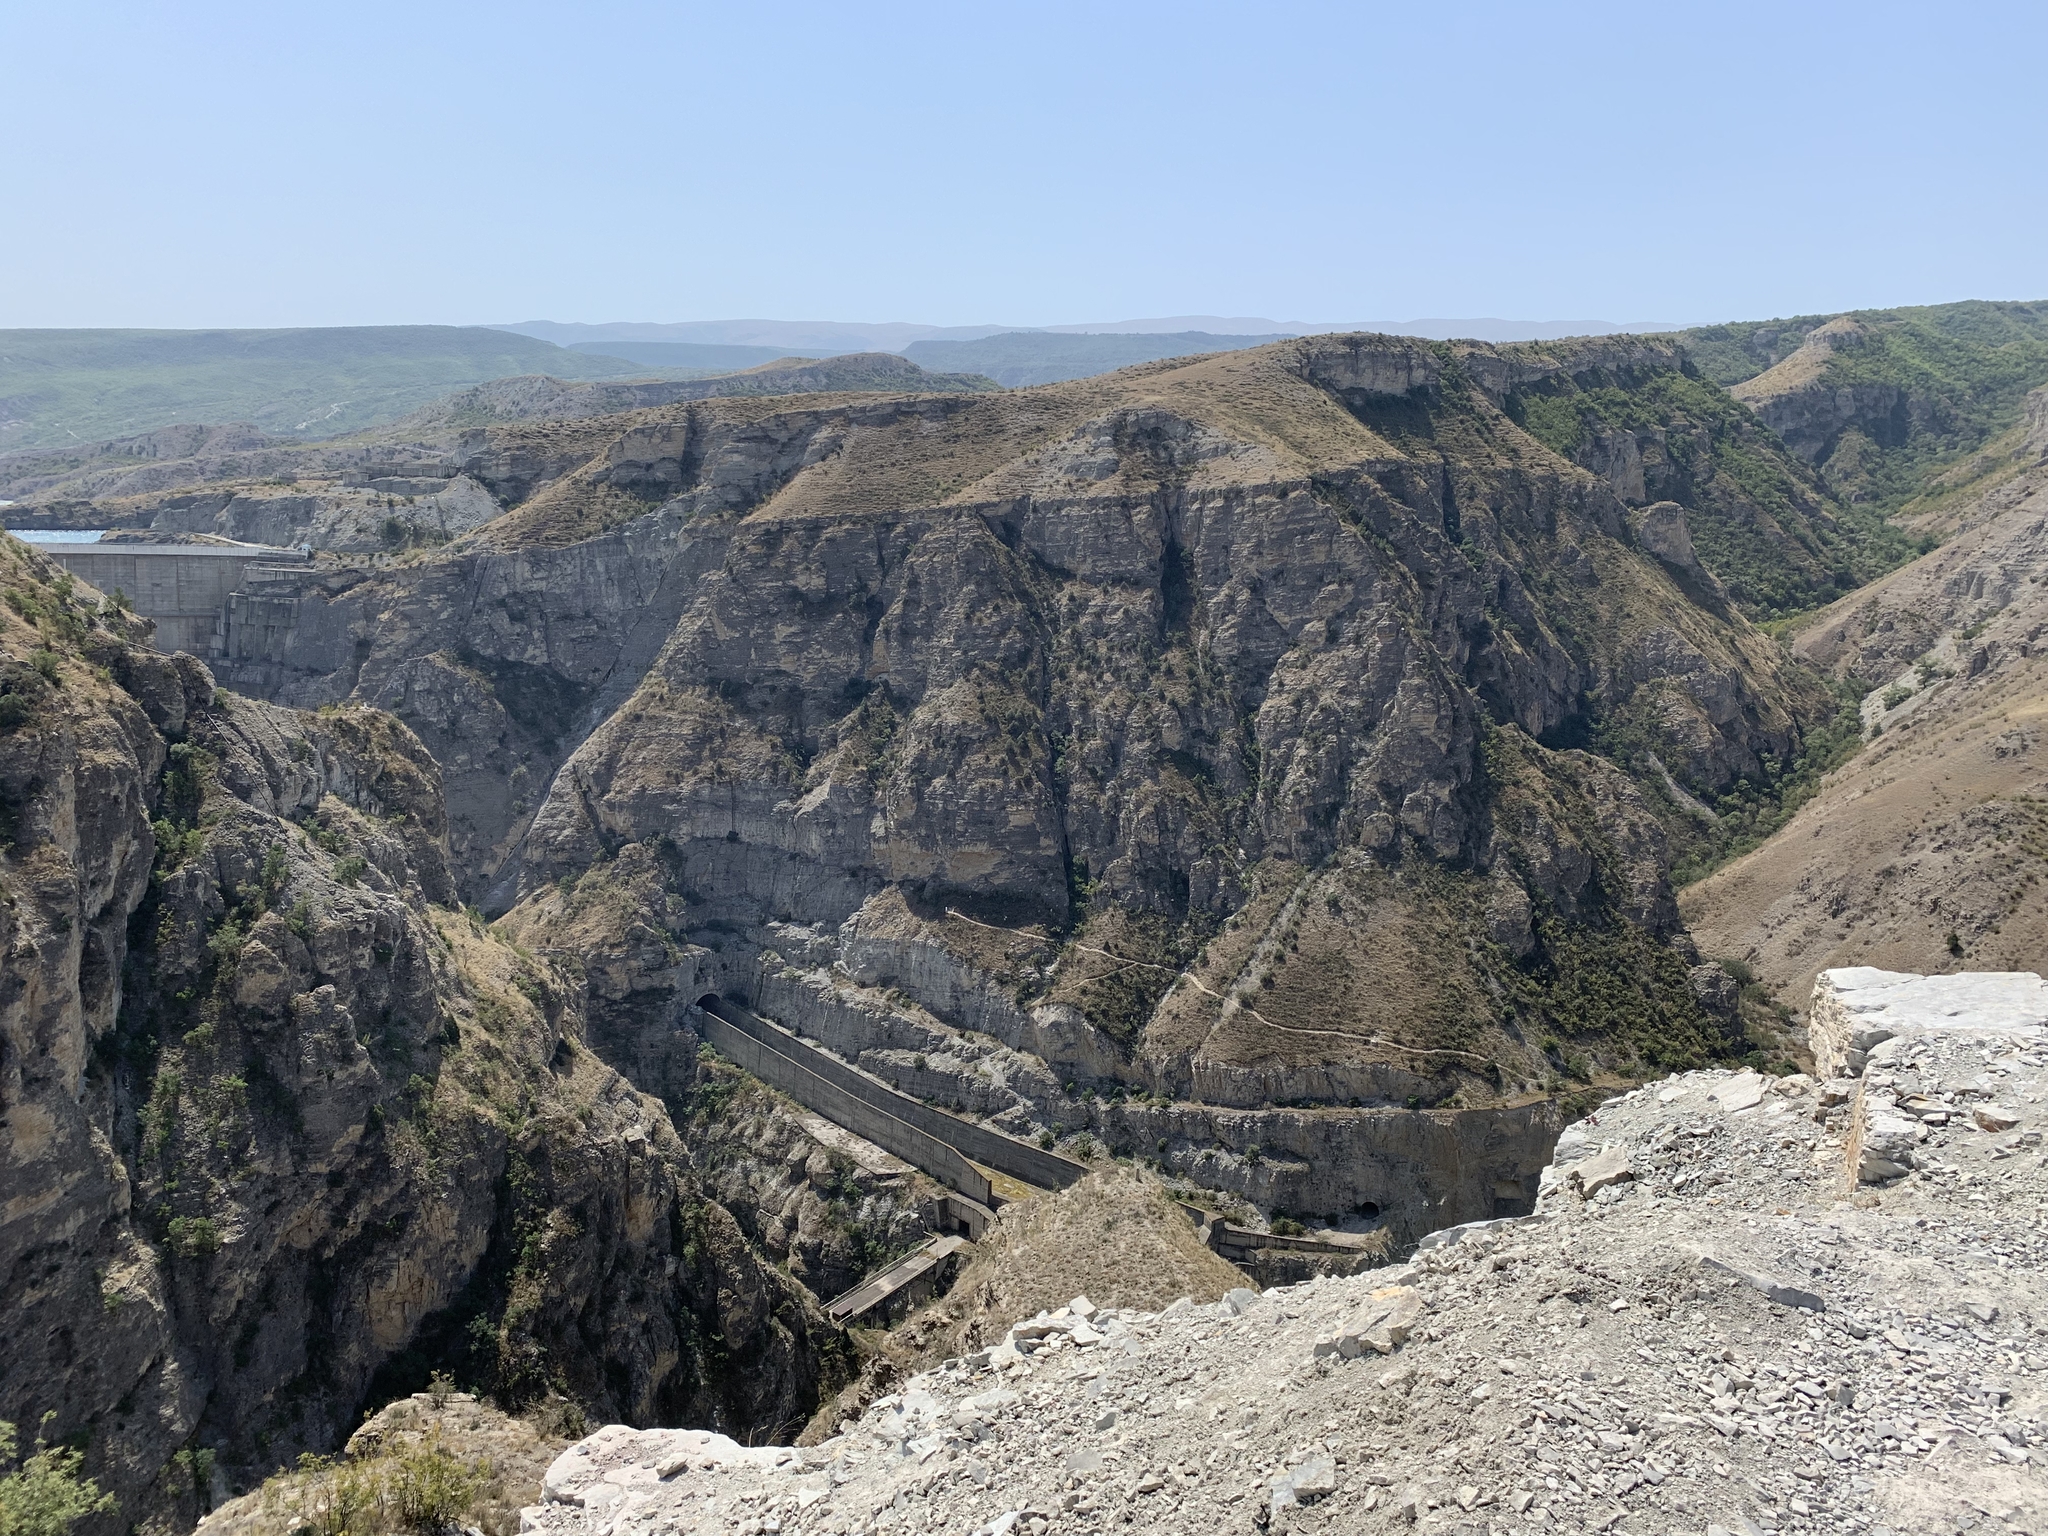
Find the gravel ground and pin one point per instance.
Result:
(1711, 1321)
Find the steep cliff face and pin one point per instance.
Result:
(283, 1129)
(1084, 661)
(1264, 608)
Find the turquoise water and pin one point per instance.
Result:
(58, 535)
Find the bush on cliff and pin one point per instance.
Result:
(45, 1494)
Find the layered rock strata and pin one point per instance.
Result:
(1150, 683)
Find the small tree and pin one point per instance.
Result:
(45, 1495)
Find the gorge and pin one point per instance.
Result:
(1264, 770)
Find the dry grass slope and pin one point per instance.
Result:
(1115, 1237)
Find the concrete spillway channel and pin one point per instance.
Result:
(915, 1277)
(959, 1154)
(967, 1158)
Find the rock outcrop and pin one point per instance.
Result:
(440, 1448)
(1887, 404)
(1804, 404)
(1857, 1008)
(285, 1128)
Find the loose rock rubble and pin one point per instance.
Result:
(1714, 1323)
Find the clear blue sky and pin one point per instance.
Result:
(362, 162)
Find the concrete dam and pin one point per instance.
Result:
(188, 589)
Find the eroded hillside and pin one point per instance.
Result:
(1200, 665)
(1890, 405)
(1268, 767)
(1925, 851)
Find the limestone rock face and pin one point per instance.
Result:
(1123, 600)
(1017, 703)
(946, 699)
(284, 1128)
(1661, 529)
(1810, 410)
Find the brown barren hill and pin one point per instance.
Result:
(1926, 851)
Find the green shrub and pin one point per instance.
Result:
(175, 845)
(194, 1237)
(45, 1496)
(430, 1489)
(276, 870)
(353, 1497)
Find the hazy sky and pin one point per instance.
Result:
(363, 162)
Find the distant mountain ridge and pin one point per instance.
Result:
(787, 336)
(1017, 359)
(61, 387)
(695, 356)
(539, 397)
(899, 335)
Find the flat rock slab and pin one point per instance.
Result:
(1857, 1006)
(1777, 1290)
(1609, 1165)
(1743, 1091)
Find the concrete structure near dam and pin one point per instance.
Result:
(185, 588)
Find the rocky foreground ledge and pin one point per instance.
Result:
(1745, 1304)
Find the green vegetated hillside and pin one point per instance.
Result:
(1762, 521)
(1886, 403)
(1019, 358)
(67, 386)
